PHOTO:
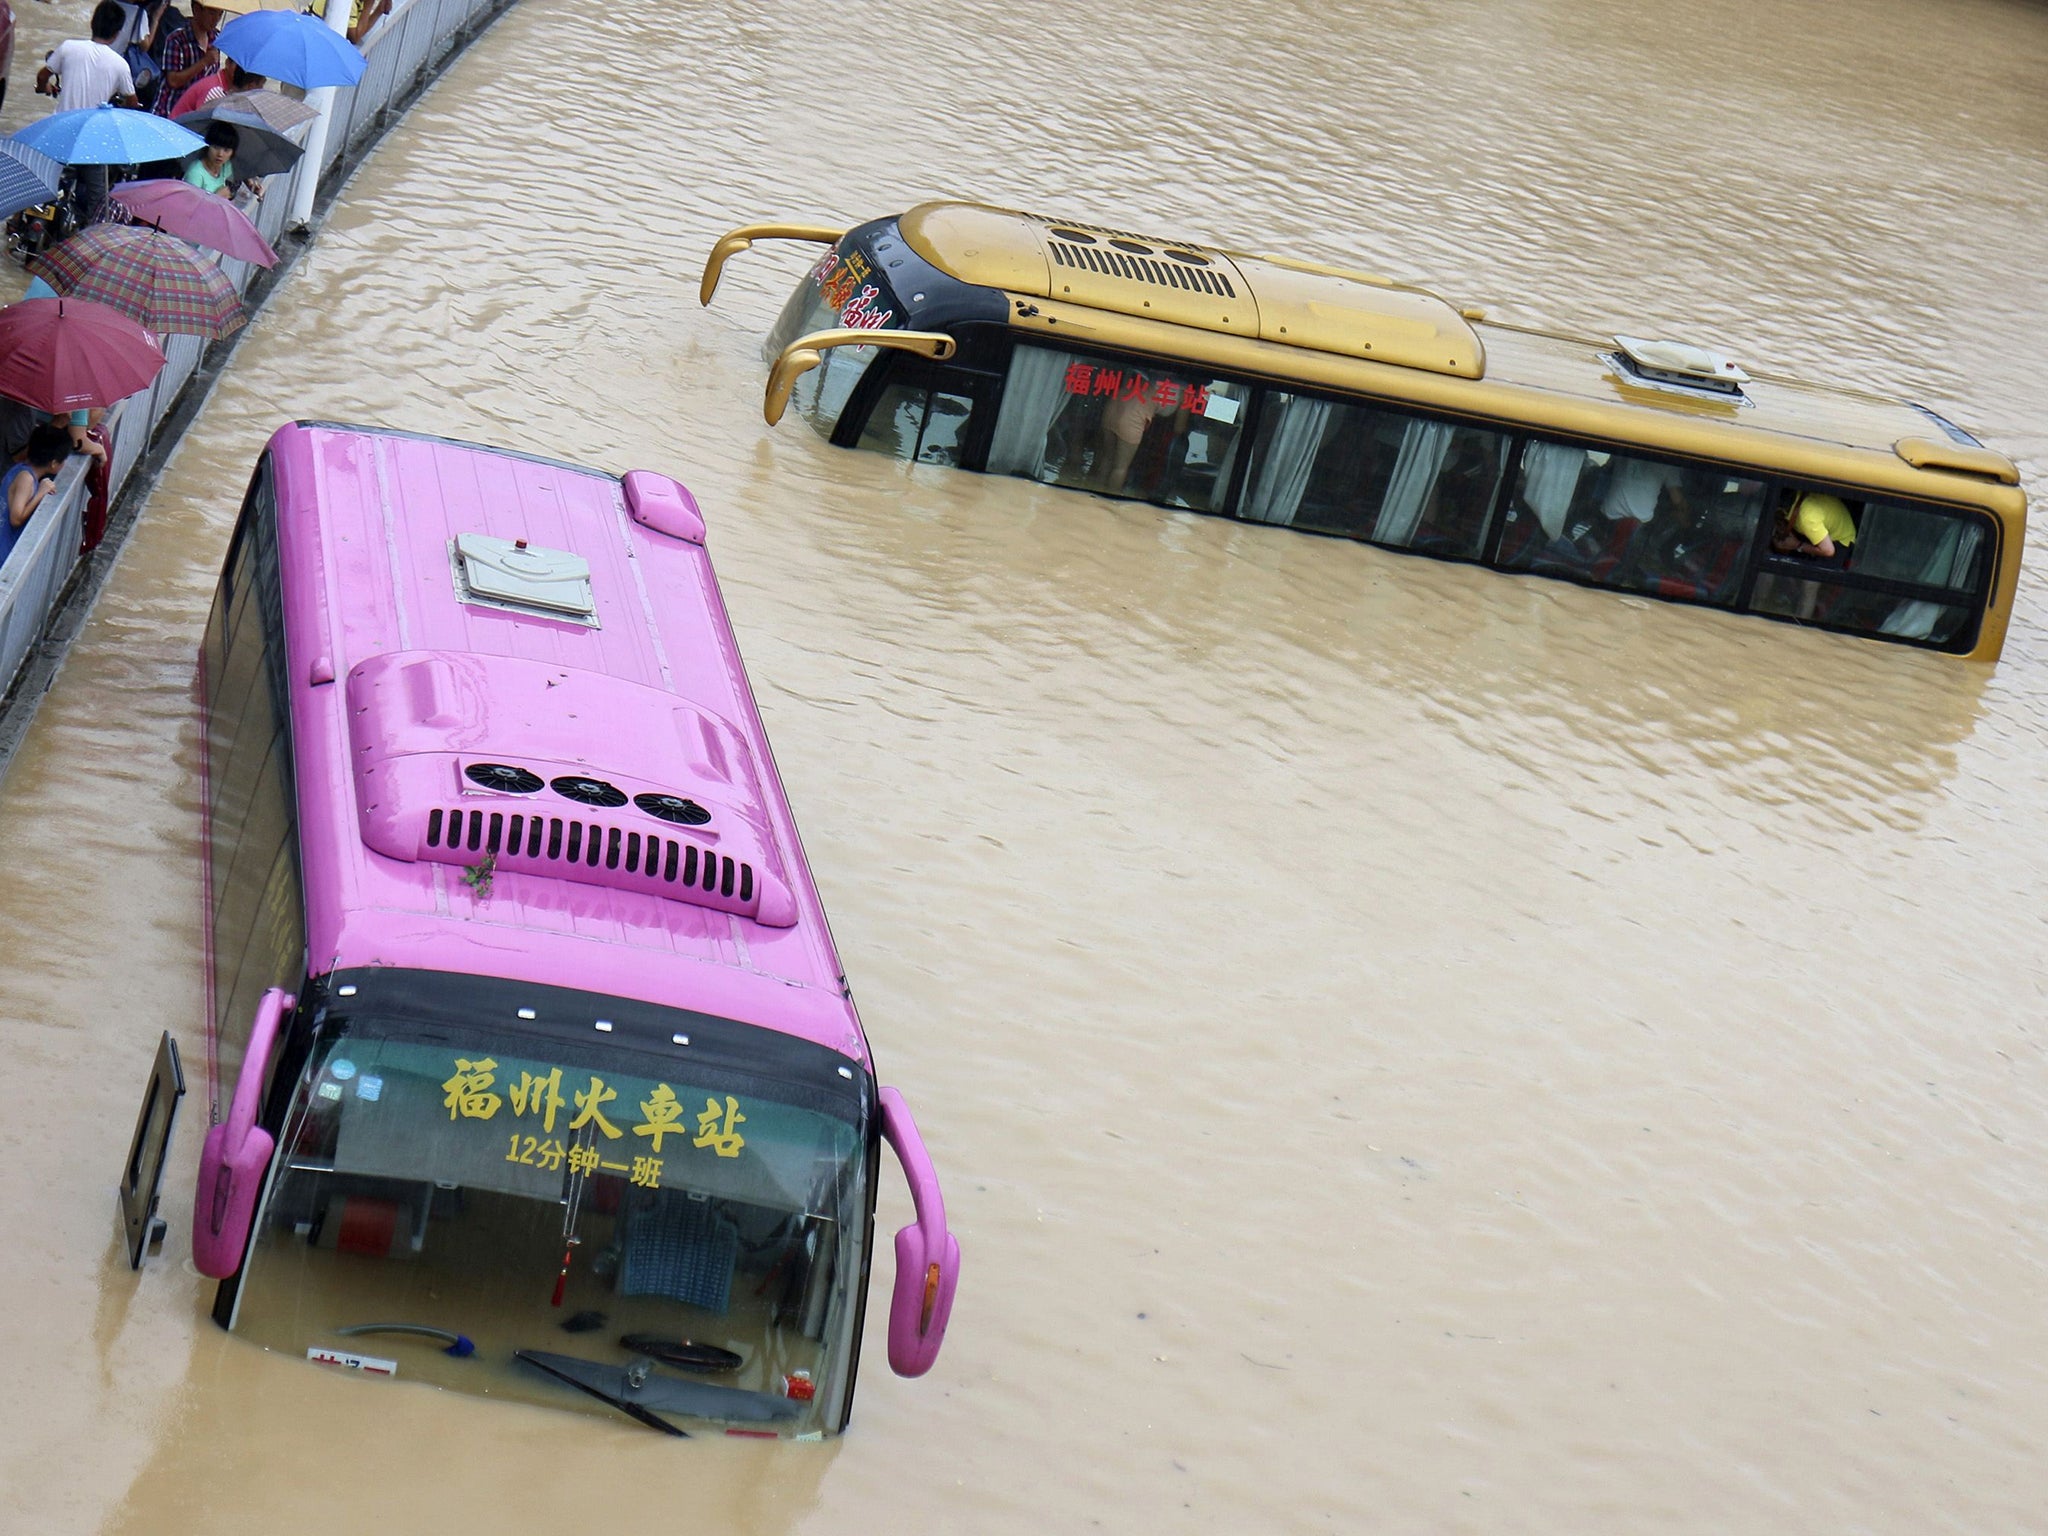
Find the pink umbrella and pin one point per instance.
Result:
(68, 354)
(205, 218)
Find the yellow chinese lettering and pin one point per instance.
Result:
(726, 1141)
(663, 1113)
(647, 1172)
(469, 1090)
(582, 1160)
(539, 1096)
(534, 1152)
(588, 1104)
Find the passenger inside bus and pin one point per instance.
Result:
(1815, 525)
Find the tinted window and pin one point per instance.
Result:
(1848, 607)
(909, 421)
(1124, 429)
(1626, 521)
(1374, 474)
(258, 917)
(1911, 544)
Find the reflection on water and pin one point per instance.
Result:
(1407, 1047)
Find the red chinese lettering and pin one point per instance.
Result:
(1080, 378)
(1108, 381)
(861, 315)
(1136, 387)
(1195, 397)
(1167, 394)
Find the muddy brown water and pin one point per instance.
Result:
(1407, 1049)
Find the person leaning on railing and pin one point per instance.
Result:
(31, 477)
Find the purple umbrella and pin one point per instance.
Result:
(205, 218)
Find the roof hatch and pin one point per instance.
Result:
(547, 770)
(1679, 365)
(523, 578)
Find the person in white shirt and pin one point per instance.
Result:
(90, 74)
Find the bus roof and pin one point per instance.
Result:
(525, 743)
(1371, 335)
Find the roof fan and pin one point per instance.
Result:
(586, 791)
(513, 781)
(683, 812)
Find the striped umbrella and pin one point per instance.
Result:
(27, 177)
(155, 278)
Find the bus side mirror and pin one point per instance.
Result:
(927, 1255)
(792, 365)
(237, 1154)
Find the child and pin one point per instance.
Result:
(214, 166)
(29, 479)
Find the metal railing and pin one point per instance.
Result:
(406, 48)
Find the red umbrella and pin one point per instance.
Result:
(205, 218)
(63, 355)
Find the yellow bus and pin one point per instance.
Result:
(1335, 402)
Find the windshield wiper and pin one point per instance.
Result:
(569, 1369)
(635, 1387)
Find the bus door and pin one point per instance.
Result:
(931, 413)
(143, 1174)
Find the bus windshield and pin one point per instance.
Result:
(841, 292)
(523, 1215)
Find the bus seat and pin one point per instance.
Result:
(680, 1248)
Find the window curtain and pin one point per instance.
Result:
(1423, 446)
(1292, 448)
(1550, 478)
(1032, 397)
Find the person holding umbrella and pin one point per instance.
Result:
(188, 53)
(214, 166)
(31, 477)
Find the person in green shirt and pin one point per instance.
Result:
(1815, 524)
(214, 166)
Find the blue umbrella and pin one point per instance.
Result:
(108, 136)
(27, 177)
(293, 47)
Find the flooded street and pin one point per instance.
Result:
(1407, 1049)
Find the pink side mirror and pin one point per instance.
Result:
(237, 1154)
(927, 1255)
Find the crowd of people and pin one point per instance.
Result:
(151, 57)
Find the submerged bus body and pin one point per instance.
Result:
(546, 1081)
(1297, 395)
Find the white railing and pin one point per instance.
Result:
(410, 44)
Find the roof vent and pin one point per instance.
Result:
(457, 756)
(1678, 364)
(523, 578)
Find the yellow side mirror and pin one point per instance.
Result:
(807, 352)
(743, 238)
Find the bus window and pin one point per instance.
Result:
(257, 913)
(1907, 544)
(1903, 548)
(1370, 474)
(910, 421)
(1123, 429)
(1640, 524)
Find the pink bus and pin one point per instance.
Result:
(545, 1078)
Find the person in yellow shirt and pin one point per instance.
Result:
(1815, 524)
